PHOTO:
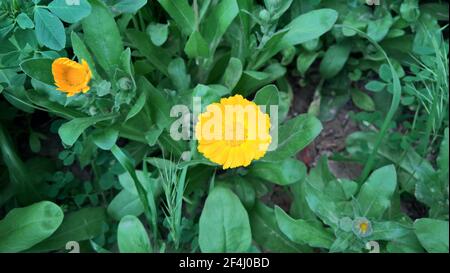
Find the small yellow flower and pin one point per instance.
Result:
(362, 227)
(71, 77)
(233, 132)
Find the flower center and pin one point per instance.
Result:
(235, 135)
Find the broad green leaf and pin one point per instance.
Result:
(306, 27)
(82, 53)
(49, 29)
(310, 26)
(232, 73)
(270, 49)
(303, 232)
(379, 28)
(71, 131)
(224, 225)
(78, 226)
(123, 204)
(24, 21)
(375, 86)
(181, 13)
(293, 136)
(218, 21)
(334, 60)
(128, 6)
(24, 227)
(266, 232)
(157, 56)
(105, 138)
(196, 46)
(39, 69)
(389, 230)
(209, 94)
(305, 60)
(158, 33)
(252, 80)
(325, 208)
(432, 234)
(107, 49)
(138, 106)
(178, 74)
(267, 96)
(132, 236)
(148, 183)
(284, 172)
(70, 13)
(406, 244)
(158, 104)
(375, 195)
(362, 100)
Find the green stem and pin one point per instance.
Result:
(396, 95)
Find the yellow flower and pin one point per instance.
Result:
(362, 227)
(71, 77)
(233, 132)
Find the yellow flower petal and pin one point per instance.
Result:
(229, 132)
(71, 77)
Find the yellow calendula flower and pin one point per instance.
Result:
(71, 77)
(233, 132)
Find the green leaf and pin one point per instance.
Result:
(322, 205)
(24, 227)
(375, 86)
(266, 232)
(334, 60)
(107, 49)
(310, 26)
(305, 60)
(78, 226)
(303, 232)
(70, 13)
(137, 107)
(233, 73)
(132, 236)
(224, 224)
(442, 159)
(49, 29)
(362, 100)
(433, 234)
(157, 56)
(39, 69)
(71, 131)
(178, 74)
(128, 6)
(293, 136)
(24, 21)
(270, 49)
(267, 96)
(218, 21)
(252, 80)
(196, 46)
(379, 28)
(283, 173)
(158, 33)
(105, 138)
(159, 107)
(388, 231)
(181, 13)
(375, 195)
(123, 204)
(82, 53)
